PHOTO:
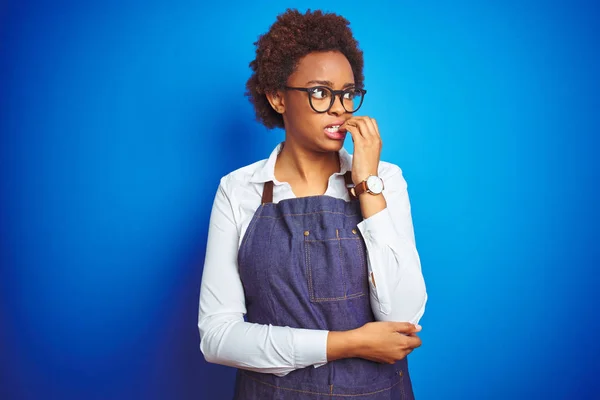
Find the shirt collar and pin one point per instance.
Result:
(266, 172)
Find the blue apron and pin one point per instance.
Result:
(303, 264)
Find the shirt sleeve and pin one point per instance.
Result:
(225, 338)
(396, 282)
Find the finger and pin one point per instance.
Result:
(349, 128)
(373, 131)
(364, 128)
(346, 125)
(413, 342)
(404, 327)
(371, 123)
(369, 132)
(352, 126)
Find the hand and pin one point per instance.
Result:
(367, 146)
(386, 342)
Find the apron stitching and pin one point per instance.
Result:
(311, 294)
(353, 296)
(362, 258)
(311, 213)
(402, 386)
(326, 240)
(337, 234)
(320, 393)
(346, 296)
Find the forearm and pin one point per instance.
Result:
(371, 204)
(384, 342)
(228, 340)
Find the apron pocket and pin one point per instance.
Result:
(336, 266)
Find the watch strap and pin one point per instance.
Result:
(360, 188)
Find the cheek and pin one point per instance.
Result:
(299, 115)
(306, 122)
(300, 119)
(297, 105)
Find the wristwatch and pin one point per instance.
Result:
(372, 185)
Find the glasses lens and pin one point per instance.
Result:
(320, 98)
(352, 99)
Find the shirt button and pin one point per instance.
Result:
(354, 231)
(306, 233)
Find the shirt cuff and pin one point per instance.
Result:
(310, 347)
(378, 226)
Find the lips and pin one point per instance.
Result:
(332, 131)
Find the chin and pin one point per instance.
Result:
(332, 145)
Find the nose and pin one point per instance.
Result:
(337, 108)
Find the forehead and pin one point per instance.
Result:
(330, 66)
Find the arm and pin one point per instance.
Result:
(225, 337)
(396, 282)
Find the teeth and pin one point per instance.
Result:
(333, 128)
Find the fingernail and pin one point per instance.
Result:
(418, 327)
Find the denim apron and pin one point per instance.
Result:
(303, 264)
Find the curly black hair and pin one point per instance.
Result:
(290, 38)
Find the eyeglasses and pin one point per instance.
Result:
(321, 98)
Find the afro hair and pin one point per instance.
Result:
(291, 37)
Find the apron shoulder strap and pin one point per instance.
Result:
(350, 185)
(267, 196)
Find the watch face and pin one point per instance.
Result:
(375, 184)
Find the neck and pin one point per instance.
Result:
(298, 164)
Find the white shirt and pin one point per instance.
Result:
(397, 292)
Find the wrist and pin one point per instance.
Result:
(362, 176)
(354, 343)
(372, 185)
(342, 344)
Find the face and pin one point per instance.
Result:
(303, 125)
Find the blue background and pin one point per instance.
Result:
(117, 120)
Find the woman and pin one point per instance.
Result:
(307, 243)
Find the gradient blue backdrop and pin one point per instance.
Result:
(118, 118)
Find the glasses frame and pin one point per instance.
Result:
(334, 94)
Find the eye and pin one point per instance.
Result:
(351, 94)
(319, 93)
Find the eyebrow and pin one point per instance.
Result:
(328, 83)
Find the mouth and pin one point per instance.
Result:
(332, 128)
(334, 132)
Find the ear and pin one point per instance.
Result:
(277, 102)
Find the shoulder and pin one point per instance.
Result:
(241, 178)
(238, 194)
